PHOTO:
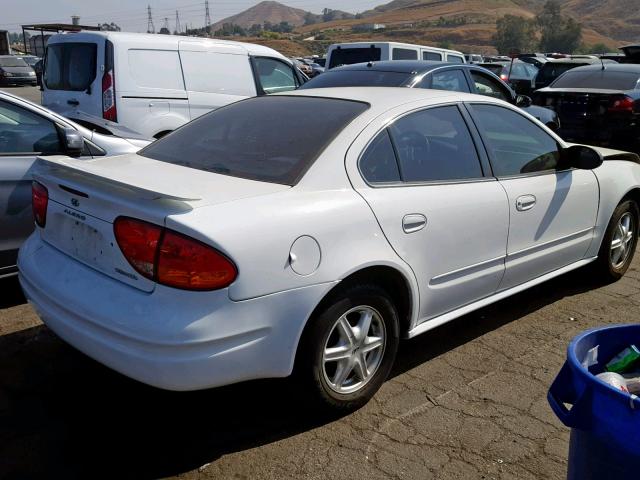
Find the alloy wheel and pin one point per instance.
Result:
(622, 241)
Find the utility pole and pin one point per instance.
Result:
(178, 29)
(207, 17)
(150, 27)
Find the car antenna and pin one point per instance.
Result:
(602, 62)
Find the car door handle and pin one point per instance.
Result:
(414, 222)
(525, 202)
(73, 102)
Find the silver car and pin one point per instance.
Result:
(28, 130)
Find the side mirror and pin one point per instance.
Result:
(73, 142)
(523, 101)
(582, 157)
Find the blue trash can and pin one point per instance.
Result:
(604, 421)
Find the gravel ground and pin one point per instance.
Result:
(30, 93)
(465, 401)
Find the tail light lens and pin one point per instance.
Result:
(39, 203)
(171, 258)
(109, 97)
(621, 104)
(504, 77)
(109, 111)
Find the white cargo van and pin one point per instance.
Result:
(359, 52)
(155, 83)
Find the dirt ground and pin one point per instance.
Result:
(465, 401)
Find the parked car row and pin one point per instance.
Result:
(293, 226)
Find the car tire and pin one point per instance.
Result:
(619, 242)
(343, 384)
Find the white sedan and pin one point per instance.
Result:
(260, 239)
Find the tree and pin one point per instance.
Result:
(558, 33)
(513, 32)
(310, 18)
(596, 48)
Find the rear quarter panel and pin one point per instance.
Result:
(616, 179)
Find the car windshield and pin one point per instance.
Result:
(12, 62)
(349, 56)
(270, 139)
(597, 78)
(357, 78)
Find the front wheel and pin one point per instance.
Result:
(619, 242)
(349, 347)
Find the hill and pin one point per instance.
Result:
(275, 13)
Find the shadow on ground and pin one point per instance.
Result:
(64, 415)
(10, 293)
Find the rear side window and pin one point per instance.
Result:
(70, 66)
(404, 54)
(270, 139)
(435, 144)
(357, 78)
(378, 163)
(349, 56)
(156, 69)
(433, 56)
(598, 79)
(275, 76)
(453, 80)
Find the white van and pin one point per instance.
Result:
(155, 83)
(359, 52)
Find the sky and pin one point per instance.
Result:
(131, 15)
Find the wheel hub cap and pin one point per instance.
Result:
(622, 241)
(354, 349)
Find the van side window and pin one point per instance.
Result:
(455, 59)
(275, 75)
(166, 72)
(404, 54)
(433, 56)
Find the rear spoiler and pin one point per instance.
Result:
(129, 172)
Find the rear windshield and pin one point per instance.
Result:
(357, 78)
(551, 70)
(271, 139)
(602, 79)
(70, 66)
(12, 62)
(349, 56)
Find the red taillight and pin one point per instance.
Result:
(109, 97)
(621, 104)
(39, 202)
(504, 77)
(171, 258)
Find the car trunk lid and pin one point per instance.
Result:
(86, 197)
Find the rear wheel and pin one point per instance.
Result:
(349, 347)
(619, 242)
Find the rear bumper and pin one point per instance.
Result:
(169, 338)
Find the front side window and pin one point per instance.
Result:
(435, 145)
(518, 146)
(490, 87)
(453, 80)
(378, 163)
(404, 54)
(70, 66)
(275, 76)
(268, 138)
(24, 132)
